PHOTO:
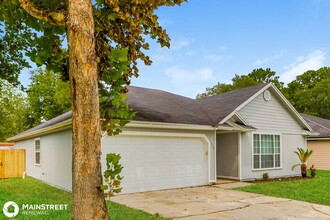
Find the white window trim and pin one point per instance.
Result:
(35, 158)
(252, 154)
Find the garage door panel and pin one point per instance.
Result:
(152, 163)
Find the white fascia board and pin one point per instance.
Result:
(241, 128)
(245, 103)
(280, 95)
(64, 125)
(67, 124)
(146, 124)
(242, 119)
(291, 108)
(309, 133)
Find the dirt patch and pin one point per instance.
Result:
(292, 178)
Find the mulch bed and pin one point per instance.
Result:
(280, 179)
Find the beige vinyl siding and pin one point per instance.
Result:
(321, 155)
(270, 116)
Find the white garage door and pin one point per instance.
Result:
(153, 163)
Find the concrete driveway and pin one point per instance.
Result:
(220, 202)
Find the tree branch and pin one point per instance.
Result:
(52, 17)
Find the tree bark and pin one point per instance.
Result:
(88, 199)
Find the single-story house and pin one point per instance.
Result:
(175, 141)
(319, 144)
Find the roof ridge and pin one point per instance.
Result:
(235, 90)
(205, 112)
(160, 90)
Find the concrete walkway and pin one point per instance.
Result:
(220, 202)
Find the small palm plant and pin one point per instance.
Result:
(303, 156)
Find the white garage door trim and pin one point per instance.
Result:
(203, 137)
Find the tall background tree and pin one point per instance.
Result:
(13, 108)
(12, 45)
(105, 39)
(310, 92)
(47, 96)
(257, 76)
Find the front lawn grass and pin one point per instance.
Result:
(32, 191)
(315, 190)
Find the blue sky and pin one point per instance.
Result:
(215, 39)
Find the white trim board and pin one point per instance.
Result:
(282, 98)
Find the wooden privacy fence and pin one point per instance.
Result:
(12, 163)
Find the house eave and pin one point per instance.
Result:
(280, 95)
(163, 125)
(67, 124)
(310, 133)
(244, 104)
(318, 138)
(61, 126)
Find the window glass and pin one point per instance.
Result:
(37, 151)
(266, 151)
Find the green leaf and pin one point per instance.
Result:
(104, 187)
(38, 61)
(112, 16)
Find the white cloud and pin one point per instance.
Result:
(163, 56)
(216, 55)
(223, 48)
(190, 82)
(180, 76)
(216, 58)
(213, 57)
(312, 61)
(165, 22)
(190, 53)
(262, 61)
(179, 44)
(268, 59)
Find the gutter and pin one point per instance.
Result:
(145, 124)
(318, 138)
(67, 124)
(64, 125)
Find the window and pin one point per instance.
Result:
(266, 151)
(37, 151)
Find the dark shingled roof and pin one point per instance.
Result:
(220, 106)
(160, 106)
(51, 122)
(318, 124)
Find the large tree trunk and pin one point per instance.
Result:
(88, 199)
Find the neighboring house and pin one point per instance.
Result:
(319, 144)
(175, 141)
(6, 145)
